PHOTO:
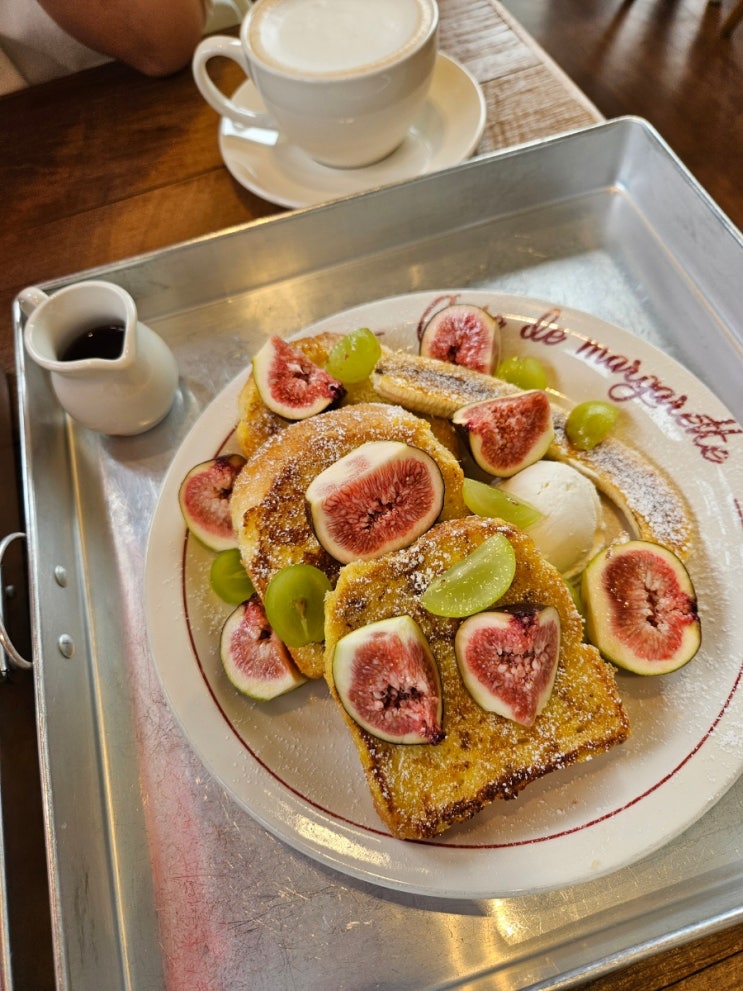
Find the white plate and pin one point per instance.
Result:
(291, 764)
(447, 131)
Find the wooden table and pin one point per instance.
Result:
(106, 164)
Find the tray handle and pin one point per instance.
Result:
(9, 652)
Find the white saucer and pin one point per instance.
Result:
(446, 132)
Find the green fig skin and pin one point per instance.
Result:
(256, 662)
(641, 608)
(388, 682)
(509, 433)
(463, 334)
(204, 496)
(290, 384)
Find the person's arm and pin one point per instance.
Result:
(156, 37)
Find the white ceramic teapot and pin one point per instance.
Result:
(110, 372)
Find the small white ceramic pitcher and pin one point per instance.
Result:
(127, 394)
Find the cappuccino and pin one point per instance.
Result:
(325, 38)
(341, 79)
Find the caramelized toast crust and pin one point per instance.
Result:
(256, 422)
(422, 790)
(269, 513)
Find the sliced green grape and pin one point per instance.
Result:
(486, 500)
(229, 579)
(526, 373)
(474, 583)
(573, 585)
(295, 604)
(589, 423)
(353, 357)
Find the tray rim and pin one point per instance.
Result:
(516, 310)
(644, 948)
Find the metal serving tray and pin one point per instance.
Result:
(158, 877)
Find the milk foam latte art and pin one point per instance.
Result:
(339, 37)
(342, 80)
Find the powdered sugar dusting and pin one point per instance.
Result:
(635, 484)
(570, 804)
(624, 475)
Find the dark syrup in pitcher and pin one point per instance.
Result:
(106, 341)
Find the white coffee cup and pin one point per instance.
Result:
(341, 79)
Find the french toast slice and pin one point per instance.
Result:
(421, 790)
(257, 423)
(268, 506)
(651, 502)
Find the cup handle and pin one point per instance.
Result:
(30, 298)
(230, 48)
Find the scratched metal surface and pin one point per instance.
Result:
(159, 879)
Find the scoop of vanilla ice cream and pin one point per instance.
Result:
(570, 530)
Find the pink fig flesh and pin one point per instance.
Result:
(508, 660)
(641, 608)
(379, 497)
(254, 659)
(204, 497)
(508, 433)
(463, 334)
(388, 682)
(290, 384)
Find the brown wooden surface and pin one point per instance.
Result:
(106, 164)
(663, 60)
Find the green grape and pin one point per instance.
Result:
(295, 604)
(229, 579)
(526, 373)
(589, 423)
(486, 500)
(573, 585)
(475, 583)
(353, 357)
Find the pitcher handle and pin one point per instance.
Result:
(30, 298)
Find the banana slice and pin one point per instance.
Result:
(652, 505)
(438, 388)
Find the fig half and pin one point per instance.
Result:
(508, 433)
(641, 608)
(381, 496)
(508, 660)
(204, 498)
(388, 682)
(254, 659)
(463, 334)
(290, 384)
